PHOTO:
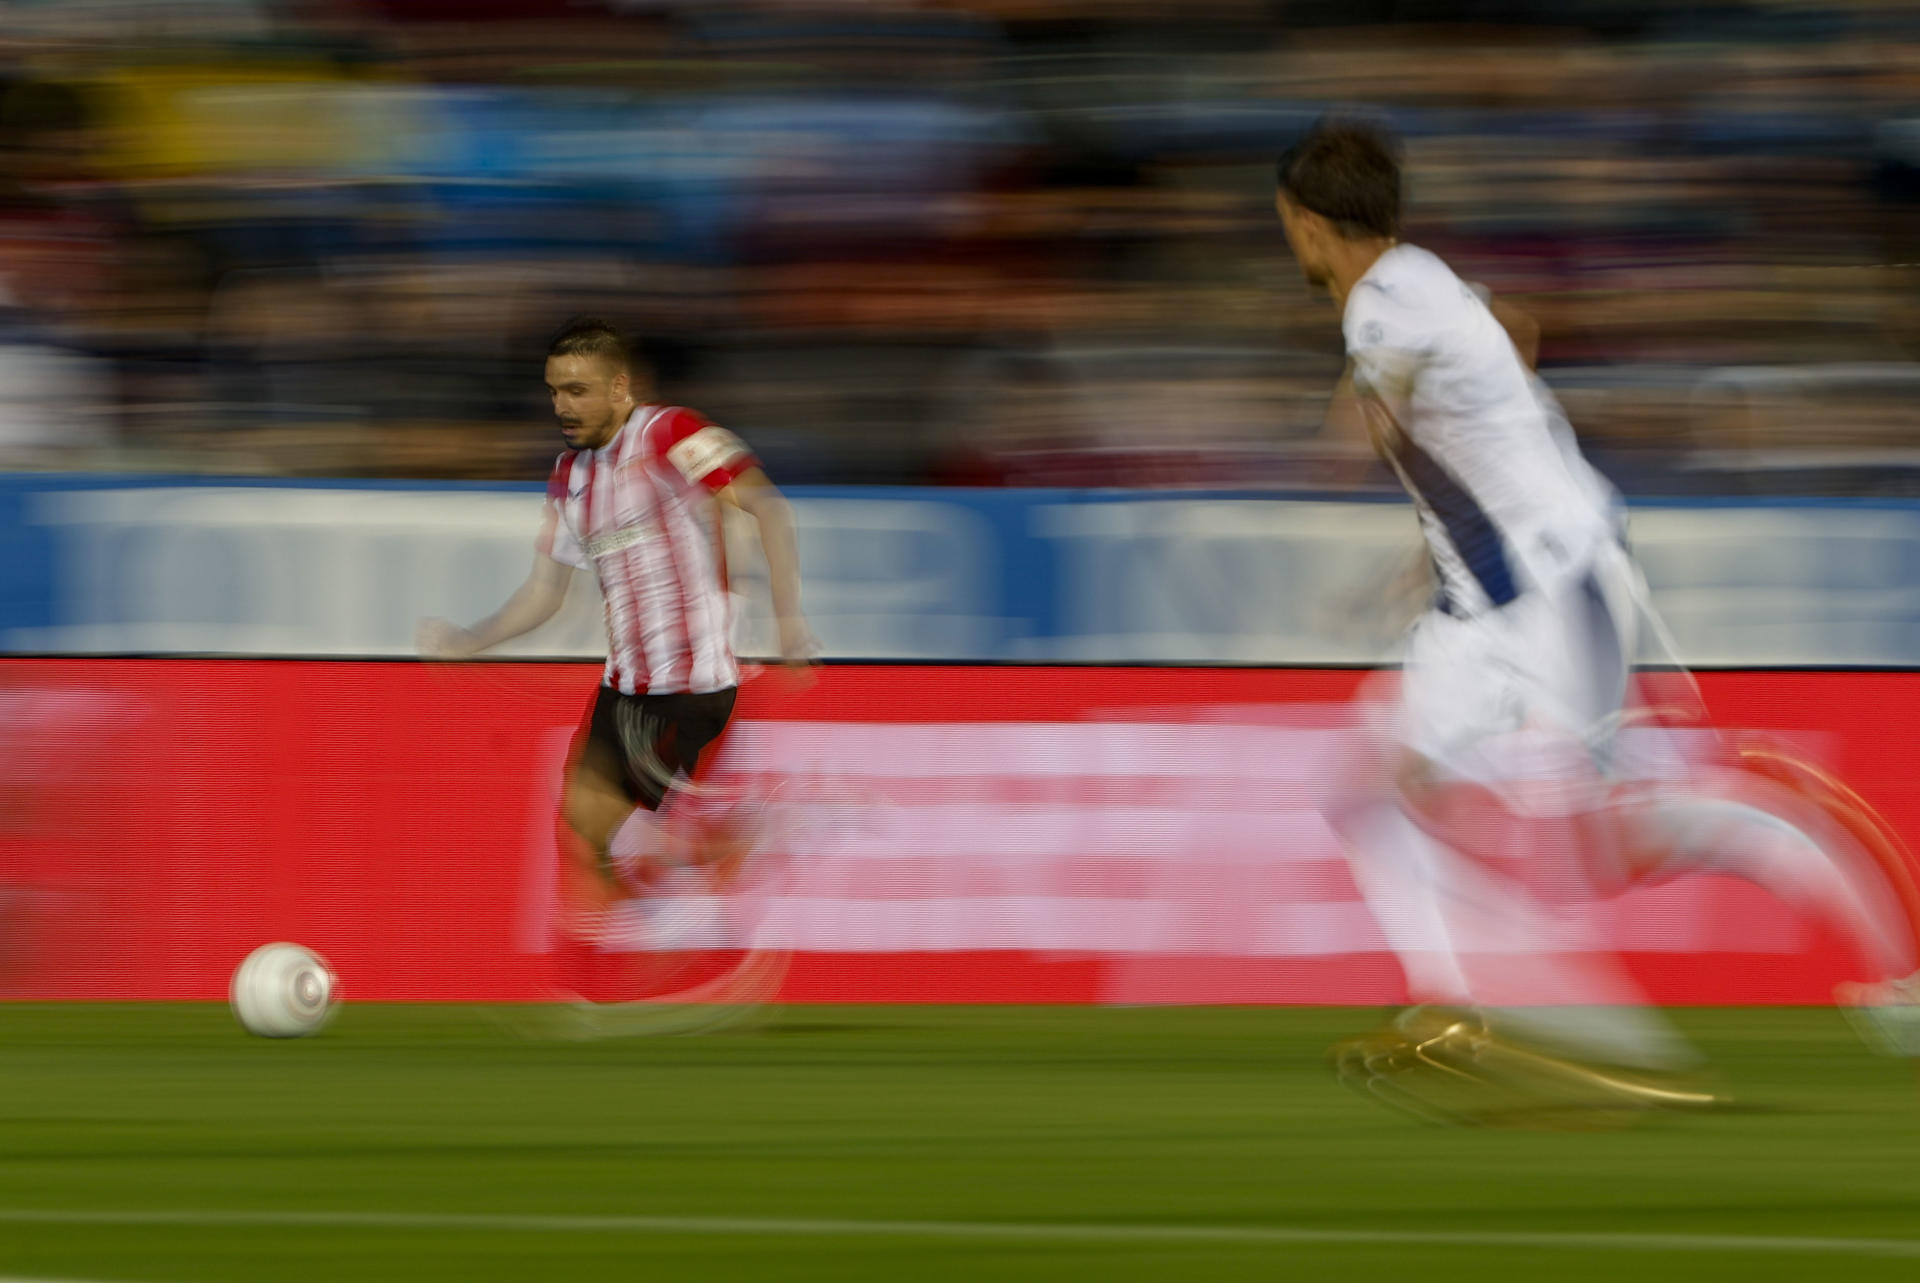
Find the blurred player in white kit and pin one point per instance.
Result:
(1530, 639)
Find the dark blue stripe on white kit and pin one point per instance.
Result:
(1471, 530)
(1606, 661)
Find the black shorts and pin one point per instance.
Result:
(642, 741)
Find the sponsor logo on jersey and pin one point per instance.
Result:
(614, 540)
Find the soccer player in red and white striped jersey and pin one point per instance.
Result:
(638, 497)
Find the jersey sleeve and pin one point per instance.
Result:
(1387, 351)
(557, 538)
(703, 453)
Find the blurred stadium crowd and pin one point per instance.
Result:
(980, 241)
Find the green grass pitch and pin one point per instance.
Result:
(160, 1143)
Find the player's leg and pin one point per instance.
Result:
(634, 752)
(664, 741)
(694, 723)
(1565, 651)
(1704, 827)
(1573, 1036)
(1806, 843)
(1813, 852)
(1554, 982)
(1393, 865)
(1465, 932)
(598, 797)
(722, 828)
(1392, 858)
(665, 939)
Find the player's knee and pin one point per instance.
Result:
(589, 811)
(576, 811)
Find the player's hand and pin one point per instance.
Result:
(444, 639)
(798, 646)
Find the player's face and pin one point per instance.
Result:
(589, 399)
(1304, 238)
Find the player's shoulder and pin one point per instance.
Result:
(696, 446)
(1410, 271)
(668, 425)
(1409, 292)
(559, 481)
(681, 418)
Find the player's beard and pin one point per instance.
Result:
(1318, 277)
(586, 435)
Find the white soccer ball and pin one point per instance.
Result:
(283, 991)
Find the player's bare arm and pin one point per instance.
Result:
(1344, 432)
(537, 600)
(752, 493)
(1520, 326)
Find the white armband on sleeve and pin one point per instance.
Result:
(705, 451)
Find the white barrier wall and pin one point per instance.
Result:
(908, 574)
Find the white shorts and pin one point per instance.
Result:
(1553, 664)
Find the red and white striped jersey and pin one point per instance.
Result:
(640, 511)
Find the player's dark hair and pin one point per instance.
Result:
(591, 336)
(1348, 174)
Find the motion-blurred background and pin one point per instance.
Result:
(997, 291)
(999, 242)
